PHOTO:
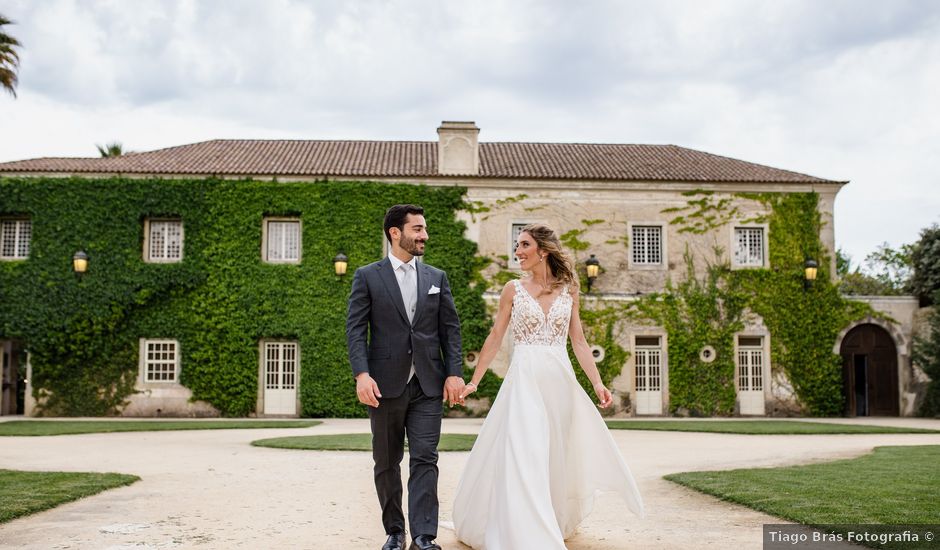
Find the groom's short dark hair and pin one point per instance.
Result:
(396, 216)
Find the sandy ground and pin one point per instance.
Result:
(210, 489)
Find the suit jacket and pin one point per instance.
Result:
(431, 340)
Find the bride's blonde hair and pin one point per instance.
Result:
(559, 263)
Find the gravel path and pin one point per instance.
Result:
(210, 489)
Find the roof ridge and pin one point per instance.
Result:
(406, 159)
(307, 140)
(725, 157)
(574, 143)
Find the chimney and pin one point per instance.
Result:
(458, 152)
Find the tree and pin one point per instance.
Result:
(113, 149)
(927, 356)
(9, 59)
(886, 272)
(843, 263)
(925, 259)
(891, 267)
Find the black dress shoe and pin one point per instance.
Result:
(424, 542)
(396, 541)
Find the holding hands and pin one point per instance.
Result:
(368, 391)
(468, 388)
(453, 390)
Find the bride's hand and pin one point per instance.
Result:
(603, 395)
(468, 388)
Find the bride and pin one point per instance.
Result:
(543, 452)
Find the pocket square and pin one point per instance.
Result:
(434, 290)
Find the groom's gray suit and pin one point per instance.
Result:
(383, 342)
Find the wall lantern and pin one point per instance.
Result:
(593, 269)
(80, 262)
(340, 261)
(810, 268)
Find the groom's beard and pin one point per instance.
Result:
(410, 246)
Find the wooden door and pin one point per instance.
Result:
(870, 372)
(10, 387)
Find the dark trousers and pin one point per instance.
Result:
(419, 416)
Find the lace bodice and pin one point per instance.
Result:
(530, 324)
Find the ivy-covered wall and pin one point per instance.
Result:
(697, 298)
(221, 299)
(803, 322)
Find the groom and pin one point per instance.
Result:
(409, 363)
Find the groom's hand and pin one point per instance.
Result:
(367, 390)
(453, 385)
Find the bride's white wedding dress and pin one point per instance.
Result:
(544, 451)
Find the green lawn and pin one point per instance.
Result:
(68, 427)
(24, 493)
(355, 442)
(758, 427)
(464, 442)
(892, 485)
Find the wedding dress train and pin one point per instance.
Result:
(544, 451)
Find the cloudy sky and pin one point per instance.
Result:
(841, 89)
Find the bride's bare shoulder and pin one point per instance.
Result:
(509, 289)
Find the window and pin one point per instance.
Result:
(281, 240)
(749, 246)
(280, 365)
(649, 358)
(750, 363)
(163, 241)
(15, 235)
(514, 232)
(159, 360)
(647, 245)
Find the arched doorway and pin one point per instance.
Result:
(870, 372)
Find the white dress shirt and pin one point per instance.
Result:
(400, 275)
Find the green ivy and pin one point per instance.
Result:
(480, 207)
(572, 240)
(703, 214)
(221, 299)
(603, 325)
(694, 314)
(803, 323)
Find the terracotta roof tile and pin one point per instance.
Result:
(312, 158)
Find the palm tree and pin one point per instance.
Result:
(113, 149)
(9, 59)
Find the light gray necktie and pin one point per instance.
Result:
(409, 295)
(409, 290)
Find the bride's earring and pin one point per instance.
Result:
(541, 258)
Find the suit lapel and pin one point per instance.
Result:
(387, 275)
(424, 284)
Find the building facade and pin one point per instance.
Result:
(651, 215)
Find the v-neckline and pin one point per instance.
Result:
(545, 314)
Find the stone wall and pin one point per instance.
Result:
(606, 217)
(898, 317)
